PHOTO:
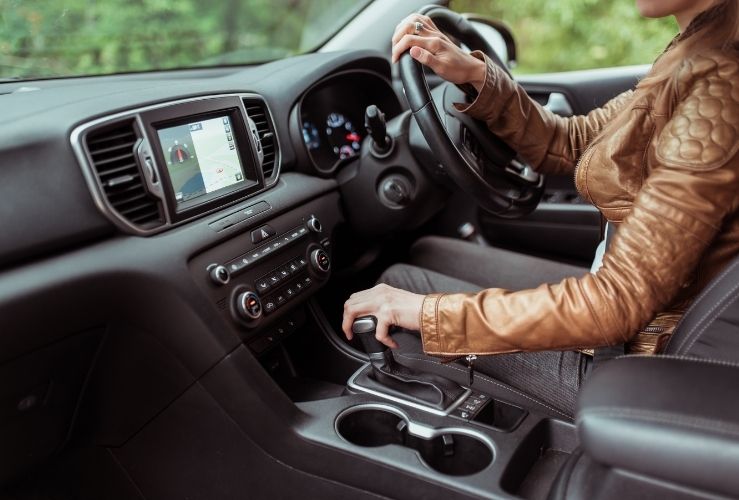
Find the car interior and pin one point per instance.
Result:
(177, 249)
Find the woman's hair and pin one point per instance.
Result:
(714, 29)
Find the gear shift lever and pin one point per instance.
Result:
(390, 378)
(364, 328)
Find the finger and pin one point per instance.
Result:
(408, 27)
(424, 57)
(431, 44)
(348, 321)
(382, 333)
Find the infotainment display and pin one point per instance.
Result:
(202, 157)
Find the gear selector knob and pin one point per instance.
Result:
(364, 327)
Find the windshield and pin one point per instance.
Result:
(42, 38)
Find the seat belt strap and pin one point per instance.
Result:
(603, 354)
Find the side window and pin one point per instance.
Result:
(565, 35)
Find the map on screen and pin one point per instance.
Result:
(201, 157)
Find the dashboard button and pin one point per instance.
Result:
(263, 285)
(262, 233)
(280, 299)
(249, 306)
(255, 209)
(270, 306)
(293, 267)
(284, 272)
(299, 287)
(290, 292)
(314, 224)
(219, 274)
(307, 281)
(273, 278)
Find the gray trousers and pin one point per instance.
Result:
(448, 265)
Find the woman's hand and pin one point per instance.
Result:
(433, 48)
(391, 306)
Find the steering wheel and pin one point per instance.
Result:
(481, 164)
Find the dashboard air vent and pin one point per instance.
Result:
(114, 161)
(257, 111)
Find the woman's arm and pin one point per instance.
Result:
(551, 144)
(675, 217)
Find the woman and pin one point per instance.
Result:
(661, 165)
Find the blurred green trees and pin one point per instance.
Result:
(560, 35)
(63, 37)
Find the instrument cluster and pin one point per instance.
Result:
(332, 116)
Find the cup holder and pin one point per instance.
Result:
(449, 451)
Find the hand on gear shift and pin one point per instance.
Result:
(390, 377)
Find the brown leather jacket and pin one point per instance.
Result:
(668, 178)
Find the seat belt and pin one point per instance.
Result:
(605, 353)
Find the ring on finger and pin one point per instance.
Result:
(417, 27)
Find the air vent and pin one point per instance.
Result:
(114, 161)
(257, 111)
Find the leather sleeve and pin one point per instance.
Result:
(675, 216)
(550, 143)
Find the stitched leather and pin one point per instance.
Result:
(669, 177)
(691, 336)
(706, 129)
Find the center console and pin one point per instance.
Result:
(465, 437)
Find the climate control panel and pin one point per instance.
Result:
(257, 276)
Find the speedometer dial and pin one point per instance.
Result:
(343, 138)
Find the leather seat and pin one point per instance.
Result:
(710, 327)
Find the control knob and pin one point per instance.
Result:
(314, 224)
(320, 261)
(248, 306)
(219, 274)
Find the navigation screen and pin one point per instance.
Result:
(201, 157)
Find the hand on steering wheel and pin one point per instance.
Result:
(429, 46)
(479, 163)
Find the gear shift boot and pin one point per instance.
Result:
(386, 376)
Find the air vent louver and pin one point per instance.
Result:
(114, 162)
(257, 111)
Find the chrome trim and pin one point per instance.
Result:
(353, 385)
(414, 428)
(567, 207)
(79, 134)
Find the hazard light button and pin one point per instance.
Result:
(262, 233)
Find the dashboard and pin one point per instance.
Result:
(179, 215)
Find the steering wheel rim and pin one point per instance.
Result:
(497, 181)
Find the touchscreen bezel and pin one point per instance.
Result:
(206, 109)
